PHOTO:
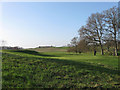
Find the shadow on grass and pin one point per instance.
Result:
(78, 65)
(33, 53)
(73, 54)
(82, 65)
(85, 65)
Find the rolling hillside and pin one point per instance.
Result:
(31, 69)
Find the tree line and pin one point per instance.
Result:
(100, 33)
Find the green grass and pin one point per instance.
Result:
(31, 69)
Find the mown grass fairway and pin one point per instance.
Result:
(58, 69)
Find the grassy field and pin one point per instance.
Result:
(56, 68)
(52, 49)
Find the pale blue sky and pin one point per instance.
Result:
(31, 24)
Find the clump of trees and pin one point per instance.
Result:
(101, 31)
(78, 46)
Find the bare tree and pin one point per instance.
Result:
(96, 24)
(109, 42)
(74, 44)
(94, 30)
(101, 29)
(87, 34)
(82, 46)
(111, 20)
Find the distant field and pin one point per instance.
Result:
(55, 68)
(54, 49)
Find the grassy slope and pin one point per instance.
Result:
(53, 49)
(58, 69)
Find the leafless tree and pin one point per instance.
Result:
(111, 20)
(94, 29)
(90, 38)
(74, 44)
(101, 29)
(82, 46)
(109, 42)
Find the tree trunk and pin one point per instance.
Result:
(94, 52)
(115, 49)
(115, 41)
(108, 48)
(102, 53)
(116, 53)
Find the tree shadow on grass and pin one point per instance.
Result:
(78, 65)
(84, 65)
(33, 53)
